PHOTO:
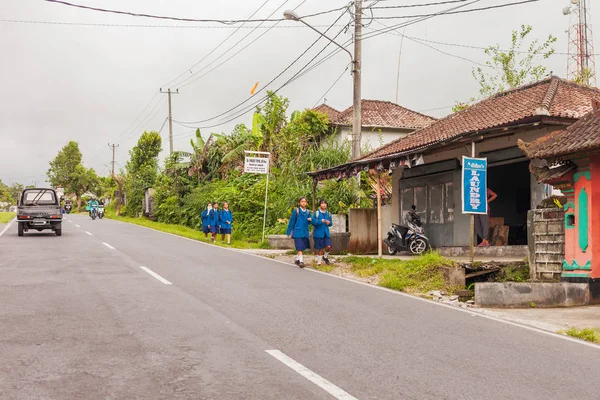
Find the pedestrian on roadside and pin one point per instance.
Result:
(322, 221)
(482, 221)
(226, 219)
(213, 221)
(298, 229)
(205, 220)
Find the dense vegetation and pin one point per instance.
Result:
(212, 170)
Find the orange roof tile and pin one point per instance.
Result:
(385, 114)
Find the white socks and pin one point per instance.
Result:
(300, 258)
(326, 255)
(319, 259)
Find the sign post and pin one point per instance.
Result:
(474, 190)
(259, 164)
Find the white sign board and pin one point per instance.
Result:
(256, 165)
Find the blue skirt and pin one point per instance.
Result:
(302, 243)
(322, 243)
(214, 229)
(205, 229)
(226, 231)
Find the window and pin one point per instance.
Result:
(41, 197)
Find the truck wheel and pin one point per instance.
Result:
(20, 228)
(58, 230)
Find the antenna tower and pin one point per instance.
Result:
(581, 63)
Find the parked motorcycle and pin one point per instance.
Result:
(94, 211)
(101, 211)
(411, 237)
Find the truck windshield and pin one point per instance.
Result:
(39, 196)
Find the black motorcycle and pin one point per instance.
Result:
(411, 237)
(68, 208)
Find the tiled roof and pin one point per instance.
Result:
(385, 114)
(553, 97)
(547, 174)
(582, 136)
(331, 112)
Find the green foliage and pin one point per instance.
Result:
(8, 194)
(64, 166)
(214, 171)
(6, 217)
(517, 66)
(514, 273)
(590, 335)
(142, 170)
(418, 275)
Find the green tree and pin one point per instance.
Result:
(82, 181)
(517, 66)
(142, 170)
(63, 167)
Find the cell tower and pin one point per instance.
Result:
(581, 63)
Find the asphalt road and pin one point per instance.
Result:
(80, 319)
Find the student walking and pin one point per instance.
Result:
(213, 221)
(298, 229)
(322, 220)
(226, 219)
(205, 219)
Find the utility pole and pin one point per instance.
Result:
(113, 146)
(357, 120)
(169, 92)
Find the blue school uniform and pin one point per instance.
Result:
(298, 228)
(205, 221)
(321, 233)
(213, 220)
(225, 219)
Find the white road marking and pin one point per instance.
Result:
(77, 226)
(88, 233)
(397, 293)
(311, 376)
(7, 226)
(157, 276)
(70, 221)
(108, 245)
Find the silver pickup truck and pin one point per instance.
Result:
(39, 209)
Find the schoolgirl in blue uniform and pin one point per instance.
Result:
(213, 221)
(322, 220)
(226, 219)
(298, 229)
(205, 221)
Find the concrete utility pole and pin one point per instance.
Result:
(113, 146)
(169, 92)
(356, 72)
(357, 120)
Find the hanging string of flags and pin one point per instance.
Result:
(350, 169)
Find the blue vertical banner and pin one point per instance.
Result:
(474, 185)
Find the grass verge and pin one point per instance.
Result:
(6, 217)
(590, 335)
(186, 232)
(417, 275)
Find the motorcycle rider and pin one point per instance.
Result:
(92, 202)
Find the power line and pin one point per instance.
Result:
(293, 78)
(217, 46)
(164, 17)
(332, 86)
(461, 11)
(85, 24)
(416, 5)
(273, 80)
(187, 81)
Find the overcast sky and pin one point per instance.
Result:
(90, 83)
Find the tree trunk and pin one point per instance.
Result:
(78, 204)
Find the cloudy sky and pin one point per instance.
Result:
(96, 79)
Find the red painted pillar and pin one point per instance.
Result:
(595, 215)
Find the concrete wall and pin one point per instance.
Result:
(363, 230)
(546, 237)
(339, 224)
(526, 295)
(372, 137)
